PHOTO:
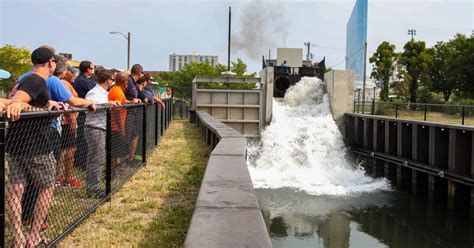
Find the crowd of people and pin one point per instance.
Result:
(41, 161)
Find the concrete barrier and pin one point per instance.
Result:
(227, 213)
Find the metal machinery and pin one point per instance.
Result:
(295, 69)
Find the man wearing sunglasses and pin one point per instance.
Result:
(33, 161)
(82, 84)
(95, 128)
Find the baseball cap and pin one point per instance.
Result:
(71, 69)
(42, 55)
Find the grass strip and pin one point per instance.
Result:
(154, 208)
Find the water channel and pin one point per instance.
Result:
(314, 193)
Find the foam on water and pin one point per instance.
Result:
(303, 149)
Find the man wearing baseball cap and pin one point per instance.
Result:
(33, 161)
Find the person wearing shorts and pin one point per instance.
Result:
(29, 150)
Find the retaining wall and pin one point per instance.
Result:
(227, 213)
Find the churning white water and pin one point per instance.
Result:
(303, 149)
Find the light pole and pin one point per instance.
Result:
(412, 32)
(127, 37)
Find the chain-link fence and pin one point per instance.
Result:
(180, 109)
(59, 166)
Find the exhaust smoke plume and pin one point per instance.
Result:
(264, 24)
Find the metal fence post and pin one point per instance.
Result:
(108, 148)
(373, 106)
(156, 126)
(144, 134)
(424, 118)
(463, 111)
(2, 181)
(396, 110)
(162, 120)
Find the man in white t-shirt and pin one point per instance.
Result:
(95, 126)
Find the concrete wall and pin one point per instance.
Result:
(227, 212)
(267, 82)
(340, 88)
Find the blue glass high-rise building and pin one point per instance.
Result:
(356, 36)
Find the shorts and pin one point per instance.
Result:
(68, 139)
(133, 124)
(119, 145)
(40, 170)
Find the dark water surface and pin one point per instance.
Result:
(382, 219)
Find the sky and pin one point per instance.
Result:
(159, 28)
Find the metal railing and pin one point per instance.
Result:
(443, 113)
(181, 110)
(98, 155)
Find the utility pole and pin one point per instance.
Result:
(365, 77)
(412, 32)
(308, 46)
(128, 52)
(228, 45)
(127, 37)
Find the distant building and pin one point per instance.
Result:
(177, 62)
(356, 37)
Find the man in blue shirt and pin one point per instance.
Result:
(283, 64)
(133, 119)
(59, 93)
(82, 84)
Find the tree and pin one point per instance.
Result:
(181, 81)
(442, 77)
(415, 61)
(240, 68)
(385, 60)
(16, 61)
(462, 63)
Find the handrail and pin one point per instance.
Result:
(227, 213)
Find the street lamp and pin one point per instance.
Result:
(127, 37)
(412, 32)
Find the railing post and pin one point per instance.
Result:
(162, 120)
(156, 126)
(396, 110)
(2, 181)
(424, 118)
(373, 106)
(144, 126)
(463, 110)
(108, 148)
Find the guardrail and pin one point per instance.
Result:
(227, 213)
(450, 114)
(32, 141)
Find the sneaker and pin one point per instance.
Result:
(73, 183)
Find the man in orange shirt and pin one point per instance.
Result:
(119, 115)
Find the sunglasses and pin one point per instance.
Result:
(92, 68)
(54, 60)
